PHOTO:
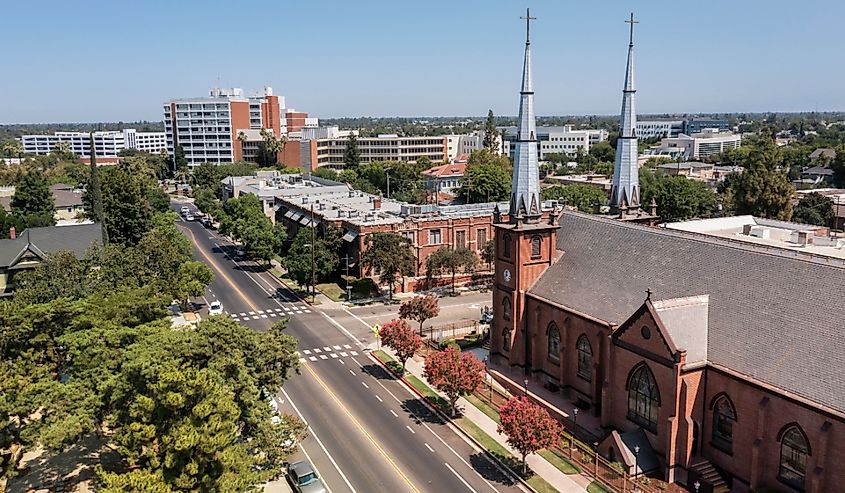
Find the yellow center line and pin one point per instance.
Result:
(219, 270)
(361, 428)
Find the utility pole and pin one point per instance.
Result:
(387, 173)
(313, 259)
(348, 287)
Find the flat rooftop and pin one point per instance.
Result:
(768, 232)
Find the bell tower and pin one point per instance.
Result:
(525, 242)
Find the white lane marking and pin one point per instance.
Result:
(287, 308)
(312, 358)
(318, 350)
(336, 348)
(306, 351)
(353, 353)
(343, 354)
(347, 346)
(236, 319)
(320, 443)
(343, 329)
(459, 477)
(429, 447)
(306, 311)
(341, 362)
(272, 314)
(333, 356)
(260, 311)
(252, 313)
(352, 372)
(327, 349)
(411, 429)
(263, 316)
(379, 398)
(255, 317)
(365, 384)
(302, 360)
(278, 309)
(323, 356)
(393, 413)
(242, 314)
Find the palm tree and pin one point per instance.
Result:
(242, 139)
(13, 148)
(272, 146)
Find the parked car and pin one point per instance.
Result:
(206, 221)
(189, 217)
(215, 308)
(185, 209)
(304, 479)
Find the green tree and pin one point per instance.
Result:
(351, 155)
(180, 162)
(247, 222)
(603, 151)
(325, 173)
(298, 260)
(192, 279)
(450, 261)
(488, 253)
(814, 208)
(582, 197)
(679, 198)
(126, 209)
(157, 198)
(389, 256)
(33, 204)
(490, 132)
(487, 178)
(205, 176)
(763, 188)
(93, 197)
(838, 166)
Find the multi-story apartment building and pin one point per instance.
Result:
(207, 128)
(558, 140)
(325, 147)
(106, 143)
(649, 129)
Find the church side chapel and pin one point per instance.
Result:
(699, 359)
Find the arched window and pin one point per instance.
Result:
(724, 418)
(536, 243)
(794, 450)
(506, 245)
(554, 342)
(506, 339)
(507, 309)
(585, 358)
(643, 398)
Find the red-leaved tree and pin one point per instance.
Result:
(420, 309)
(454, 373)
(401, 338)
(527, 426)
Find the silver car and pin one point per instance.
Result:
(304, 479)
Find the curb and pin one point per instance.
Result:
(447, 419)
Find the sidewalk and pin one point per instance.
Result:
(564, 483)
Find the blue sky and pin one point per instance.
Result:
(95, 60)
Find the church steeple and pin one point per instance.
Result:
(625, 191)
(525, 184)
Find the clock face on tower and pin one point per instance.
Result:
(507, 275)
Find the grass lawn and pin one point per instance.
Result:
(596, 487)
(485, 408)
(562, 463)
(332, 290)
(431, 395)
(391, 363)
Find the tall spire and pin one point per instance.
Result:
(625, 192)
(525, 184)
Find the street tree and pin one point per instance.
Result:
(838, 167)
(351, 155)
(308, 245)
(763, 188)
(603, 151)
(192, 279)
(32, 204)
(401, 338)
(527, 426)
(582, 197)
(814, 208)
(490, 132)
(390, 256)
(247, 222)
(487, 177)
(420, 309)
(450, 261)
(454, 373)
(488, 253)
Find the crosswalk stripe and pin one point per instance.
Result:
(343, 354)
(302, 360)
(242, 314)
(336, 348)
(354, 353)
(333, 355)
(313, 358)
(260, 311)
(278, 309)
(307, 311)
(317, 350)
(297, 312)
(287, 308)
(306, 351)
(272, 314)
(347, 346)
(327, 349)
(323, 356)
(252, 313)
(255, 317)
(263, 316)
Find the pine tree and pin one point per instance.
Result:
(490, 132)
(93, 197)
(352, 155)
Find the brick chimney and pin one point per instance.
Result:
(12, 233)
(377, 202)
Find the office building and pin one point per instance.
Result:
(106, 143)
(696, 146)
(207, 128)
(466, 144)
(698, 125)
(326, 147)
(557, 140)
(649, 129)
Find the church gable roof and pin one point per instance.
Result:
(773, 317)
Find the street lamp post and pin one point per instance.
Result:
(313, 259)
(525, 382)
(575, 415)
(697, 486)
(636, 465)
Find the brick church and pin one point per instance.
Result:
(720, 354)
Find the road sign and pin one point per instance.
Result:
(377, 330)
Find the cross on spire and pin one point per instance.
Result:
(528, 20)
(648, 294)
(631, 21)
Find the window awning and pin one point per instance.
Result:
(277, 207)
(295, 217)
(289, 214)
(350, 235)
(305, 220)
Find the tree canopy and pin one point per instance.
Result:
(298, 259)
(450, 261)
(487, 178)
(390, 256)
(677, 197)
(33, 204)
(763, 188)
(245, 220)
(582, 197)
(814, 208)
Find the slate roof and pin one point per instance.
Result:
(76, 238)
(823, 151)
(774, 314)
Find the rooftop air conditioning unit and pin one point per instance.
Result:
(304, 200)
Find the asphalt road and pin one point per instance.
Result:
(367, 432)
